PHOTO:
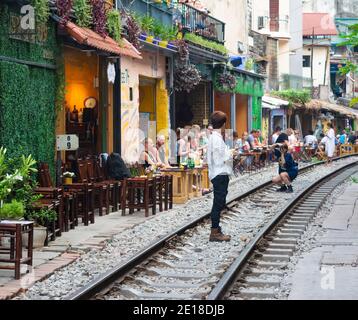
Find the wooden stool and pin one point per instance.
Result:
(136, 186)
(14, 230)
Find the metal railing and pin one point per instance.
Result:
(201, 23)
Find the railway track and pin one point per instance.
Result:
(257, 272)
(184, 265)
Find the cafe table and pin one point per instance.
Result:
(180, 184)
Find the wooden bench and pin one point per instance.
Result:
(14, 230)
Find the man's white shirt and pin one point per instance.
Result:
(219, 156)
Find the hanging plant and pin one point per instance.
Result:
(99, 17)
(186, 77)
(64, 10)
(42, 10)
(183, 49)
(83, 13)
(227, 81)
(114, 24)
(133, 30)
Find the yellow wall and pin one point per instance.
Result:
(80, 72)
(162, 110)
(147, 100)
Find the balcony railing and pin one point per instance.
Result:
(159, 11)
(279, 24)
(201, 23)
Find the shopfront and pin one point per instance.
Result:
(145, 100)
(243, 104)
(91, 76)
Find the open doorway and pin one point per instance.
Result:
(147, 106)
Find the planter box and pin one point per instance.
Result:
(40, 235)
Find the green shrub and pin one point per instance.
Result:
(83, 13)
(212, 45)
(13, 210)
(114, 25)
(294, 96)
(42, 217)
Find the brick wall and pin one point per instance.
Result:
(199, 108)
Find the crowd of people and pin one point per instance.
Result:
(218, 148)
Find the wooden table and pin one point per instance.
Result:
(14, 230)
(205, 178)
(180, 185)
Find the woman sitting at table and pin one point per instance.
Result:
(150, 156)
(288, 170)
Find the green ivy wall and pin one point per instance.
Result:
(27, 93)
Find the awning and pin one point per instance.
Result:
(269, 106)
(273, 103)
(319, 105)
(85, 36)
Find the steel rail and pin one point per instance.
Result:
(105, 280)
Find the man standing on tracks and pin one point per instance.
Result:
(220, 168)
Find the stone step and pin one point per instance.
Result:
(294, 227)
(271, 264)
(262, 283)
(299, 219)
(275, 257)
(284, 241)
(286, 235)
(264, 271)
(134, 293)
(294, 231)
(264, 293)
(275, 251)
(286, 246)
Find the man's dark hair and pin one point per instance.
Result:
(218, 119)
(278, 129)
(310, 132)
(322, 135)
(235, 134)
(253, 131)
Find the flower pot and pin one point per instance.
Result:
(163, 44)
(150, 39)
(40, 234)
(68, 180)
(156, 41)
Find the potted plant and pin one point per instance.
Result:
(13, 210)
(186, 77)
(42, 218)
(158, 30)
(147, 24)
(68, 177)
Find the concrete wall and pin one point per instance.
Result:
(296, 37)
(341, 8)
(283, 58)
(233, 13)
(261, 8)
(319, 63)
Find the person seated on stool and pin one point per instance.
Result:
(288, 171)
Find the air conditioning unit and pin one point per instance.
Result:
(261, 22)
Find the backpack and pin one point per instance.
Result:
(116, 167)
